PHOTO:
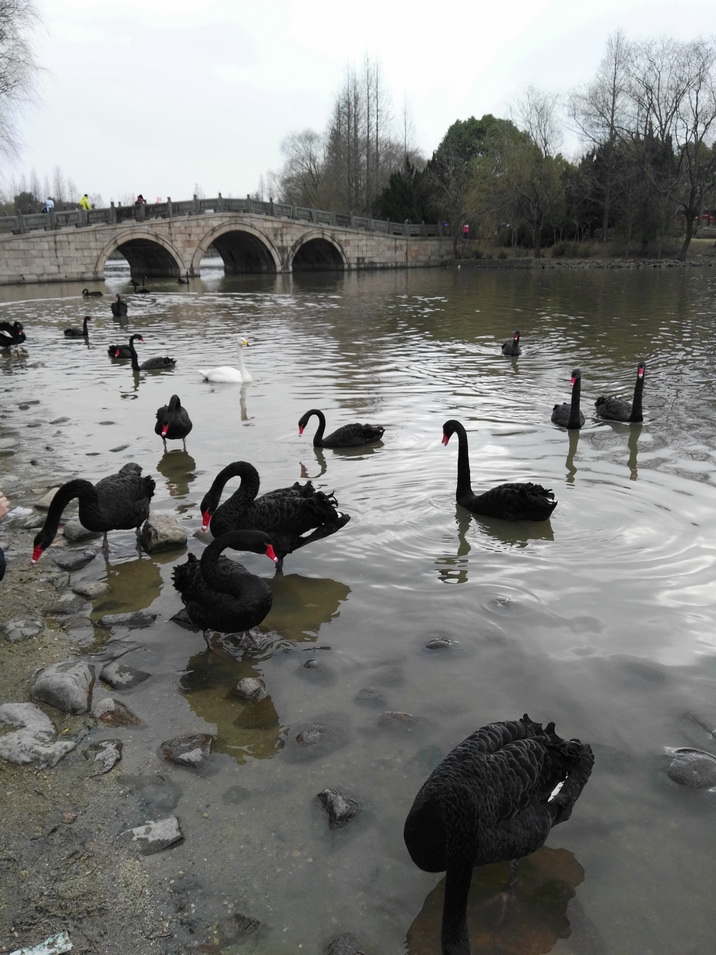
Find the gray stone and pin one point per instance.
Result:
(113, 712)
(250, 688)
(67, 685)
(694, 768)
(317, 738)
(23, 629)
(341, 809)
(34, 739)
(344, 945)
(191, 750)
(44, 502)
(67, 603)
(72, 559)
(372, 695)
(154, 836)
(138, 619)
(162, 532)
(106, 752)
(120, 676)
(76, 532)
(91, 589)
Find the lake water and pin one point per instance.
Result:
(602, 619)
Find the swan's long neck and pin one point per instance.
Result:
(249, 487)
(133, 355)
(574, 404)
(636, 409)
(464, 485)
(318, 436)
(79, 488)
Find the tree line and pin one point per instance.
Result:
(647, 123)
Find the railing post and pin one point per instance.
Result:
(21, 223)
(220, 203)
(112, 214)
(170, 211)
(196, 205)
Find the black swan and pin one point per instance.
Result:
(183, 281)
(220, 594)
(173, 422)
(117, 502)
(349, 436)
(616, 409)
(151, 363)
(569, 415)
(512, 347)
(122, 351)
(11, 334)
(79, 332)
(87, 294)
(494, 798)
(287, 514)
(140, 289)
(514, 502)
(119, 307)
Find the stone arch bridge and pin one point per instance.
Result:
(169, 241)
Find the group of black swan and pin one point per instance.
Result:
(496, 795)
(611, 408)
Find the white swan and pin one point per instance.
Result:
(228, 372)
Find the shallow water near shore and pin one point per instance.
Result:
(601, 619)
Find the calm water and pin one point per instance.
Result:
(602, 619)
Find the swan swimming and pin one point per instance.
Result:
(227, 372)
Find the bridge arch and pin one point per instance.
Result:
(242, 248)
(146, 252)
(317, 251)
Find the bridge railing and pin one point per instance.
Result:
(118, 214)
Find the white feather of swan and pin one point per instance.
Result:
(228, 373)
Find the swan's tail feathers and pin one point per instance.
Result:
(325, 530)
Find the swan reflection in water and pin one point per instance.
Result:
(529, 917)
(569, 463)
(486, 533)
(178, 468)
(633, 442)
(134, 585)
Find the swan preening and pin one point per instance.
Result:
(349, 436)
(227, 373)
(117, 502)
(569, 415)
(292, 516)
(79, 332)
(11, 334)
(494, 798)
(514, 502)
(220, 594)
(173, 422)
(512, 347)
(616, 409)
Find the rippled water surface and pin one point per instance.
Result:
(601, 619)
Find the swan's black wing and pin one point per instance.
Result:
(513, 502)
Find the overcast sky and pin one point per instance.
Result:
(157, 96)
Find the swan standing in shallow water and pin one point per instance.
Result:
(494, 798)
(349, 436)
(173, 422)
(228, 373)
(568, 415)
(512, 502)
(616, 409)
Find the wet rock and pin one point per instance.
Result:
(76, 532)
(258, 715)
(316, 671)
(23, 628)
(156, 794)
(344, 945)
(438, 643)
(44, 502)
(694, 768)
(371, 695)
(34, 739)
(235, 795)
(91, 589)
(341, 809)
(72, 560)
(113, 712)
(120, 676)
(317, 738)
(162, 532)
(191, 750)
(68, 603)
(138, 619)
(107, 753)
(66, 685)
(251, 688)
(154, 836)
(394, 719)
(79, 629)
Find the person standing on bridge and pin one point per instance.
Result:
(49, 205)
(85, 203)
(140, 200)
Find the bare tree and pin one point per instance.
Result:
(300, 180)
(18, 67)
(536, 115)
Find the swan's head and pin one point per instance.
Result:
(576, 375)
(206, 519)
(244, 342)
(641, 369)
(270, 552)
